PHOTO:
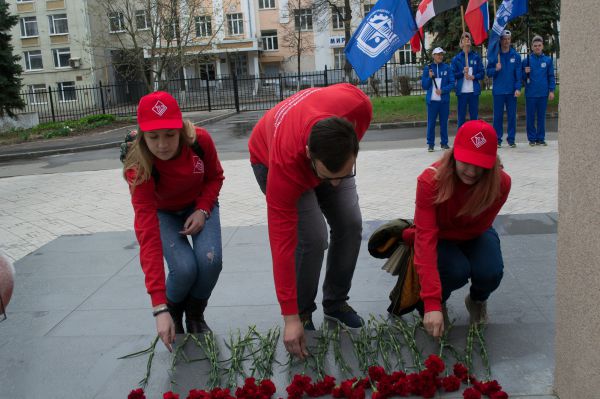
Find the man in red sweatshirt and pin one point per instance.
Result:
(303, 153)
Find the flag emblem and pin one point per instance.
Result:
(377, 35)
(478, 140)
(159, 108)
(198, 164)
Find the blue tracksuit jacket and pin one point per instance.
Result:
(541, 77)
(440, 70)
(508, 79)
(458, 64)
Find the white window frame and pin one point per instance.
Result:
(269, 40)
(24, 1)
(27, 58)
(203, 26)
(408, 55)
(56, 56)
(52, 19)
(337, 22)
(33, 96)
(116, 19)
(26, 21)
(61, 91)
(303, 18)
(142, 14)
(235, 24)
(339, 58)
(266, 4)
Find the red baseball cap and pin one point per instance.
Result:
(476, 144)
(159, 110)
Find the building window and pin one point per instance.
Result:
(58, 24)
(24, 1)
(141, 20)
(269, 40)
(206, 71)
(303, 19)
(239, 64)
(337, 17)
(263, 4)
(61, 57)
(367, 8)
(66, 91)
(37, 94)
(339, 58)
(203, 26)
(33, 60)
(116, 22)
(235, 24)
(406, 55)
(29, 26)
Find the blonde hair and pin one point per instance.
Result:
(482, 194)
(140, 159)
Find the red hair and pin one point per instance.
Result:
(483, 193)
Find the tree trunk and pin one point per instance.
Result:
(347, 34)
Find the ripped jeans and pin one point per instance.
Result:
(193, 268)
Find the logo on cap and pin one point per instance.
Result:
(159, 108)
(478, 139)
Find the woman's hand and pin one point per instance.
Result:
(293, 336)
(194, 223)
(165, 329)
(434, 323)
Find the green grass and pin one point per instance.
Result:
(413, 108)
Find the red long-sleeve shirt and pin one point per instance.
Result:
(183, 181)
(441, 221)
(279, 141)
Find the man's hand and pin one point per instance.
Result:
(431, 75)
(194, 223)
(165, 329)
(551, 96)
(527, 69)
(498, 66)
(434, 323)
(293, 336)
(517, 93)
(438, 92)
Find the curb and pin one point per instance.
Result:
(101, 146)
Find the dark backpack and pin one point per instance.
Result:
(128, 142)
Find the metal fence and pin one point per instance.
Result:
(242, 93)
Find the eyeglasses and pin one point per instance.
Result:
(328, 179)
(2, 310)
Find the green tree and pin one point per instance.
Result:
(10, 69)
(543, 20)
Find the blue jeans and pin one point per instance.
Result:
(536, 106)
(470, 99)
(479, 259)
(510, 102)
(193, 269)
(435, 108)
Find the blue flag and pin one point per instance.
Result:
(508, 10)
(384, 30)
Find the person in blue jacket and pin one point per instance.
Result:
(467, 79)
(506, 88)
(538, 73)
(438, 80)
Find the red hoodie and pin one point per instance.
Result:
(183, 181)
(441, 221)
(279, 141)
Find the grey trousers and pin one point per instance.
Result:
(339, 205)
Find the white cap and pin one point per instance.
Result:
(506, 33)
(438, 50)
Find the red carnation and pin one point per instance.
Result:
(451, 383)
(402, 387)
(376, 372)
(170, 395)
(471, 393)
(499, 395)
(358, 393)
(136, 394)
(461, 371)
(435, 364)
(267, 388)
(198, 394)
(491, 387)
(337, 392)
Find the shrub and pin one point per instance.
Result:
(405, 87)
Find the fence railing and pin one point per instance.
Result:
(242, 93)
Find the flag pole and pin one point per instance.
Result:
(462, 14)
(528, 45)
(420, 39)
(500, 34)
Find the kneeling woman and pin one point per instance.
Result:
(175, 176)
(458, 198)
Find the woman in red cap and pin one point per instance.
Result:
(458, 198)
(175, 177)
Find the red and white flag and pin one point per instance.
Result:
(428, 9)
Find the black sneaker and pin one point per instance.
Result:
(445, 147)
(542, 142)
(532, 143)
(346, 316)
(307, 323)
(512, 145)
(430, 148)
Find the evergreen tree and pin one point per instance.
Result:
(10, 69)
(543, 20)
